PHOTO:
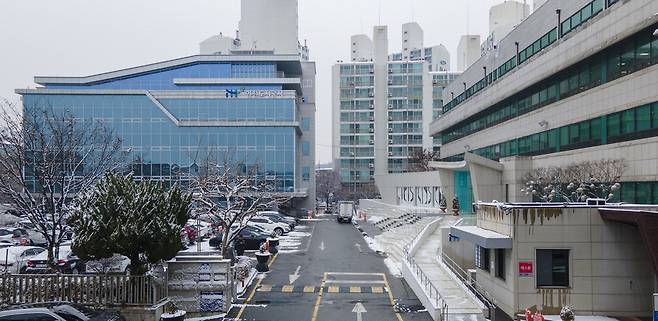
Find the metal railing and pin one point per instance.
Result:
(472, 285)
(108, 290)
(425, 281)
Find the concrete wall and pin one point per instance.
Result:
(362, 48)
(389, 183)
(468, 52)
(270, 25)
(610, 273)
(307, 109)
(459, 251)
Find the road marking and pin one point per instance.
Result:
(309, 289)
(359, 309)
(265, 288)
(355, 282)
(293, 277)
(287, 289)
(377, 289)
(358, 246)
(316, 308)
(355, 273)
(390, 298)
(310, 239)
(253, 291)
(333, 289)
(355, 289)
(322, 246)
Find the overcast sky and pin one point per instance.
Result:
(83, 37)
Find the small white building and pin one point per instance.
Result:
(599, 259)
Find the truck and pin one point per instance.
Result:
(345, 212)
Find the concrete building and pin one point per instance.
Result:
(257, 107)
(382, 107)
(468, 51)
(554, 94)
(412, 39)
(601, 260)
(362, 48)
(503, 18)
(266, 27)
(537, 3)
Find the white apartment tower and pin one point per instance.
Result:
(468, 51)
(362, 49)
(383, 104)
(505, 17)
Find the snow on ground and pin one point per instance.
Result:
(393, 267)
(375, 219)
(205, 247)
(297, 234)
(373, 244)
(314, 219)
(241, 289)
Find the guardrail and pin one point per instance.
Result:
(109, 290)
(480, 293)
(425, 281)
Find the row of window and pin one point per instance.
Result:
(631, 124)
(356, 104)
(357, 69)
(552, 265)
(356, 128)
(587, 12)
(357, 116)
(357, 152)
(632, 54)
(405, 116)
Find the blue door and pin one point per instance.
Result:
(464, 191)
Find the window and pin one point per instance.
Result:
(482, 258)
(306, 173)
(306, 123)
(500, 263)
(29, 317)
(306, 149)
(552, 268)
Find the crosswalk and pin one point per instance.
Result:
(327, 289)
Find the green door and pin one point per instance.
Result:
(464, 191)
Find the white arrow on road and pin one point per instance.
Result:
(322, 246)
(359, 309)
(358, 246)
(293, 277)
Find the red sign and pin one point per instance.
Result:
(525, 268)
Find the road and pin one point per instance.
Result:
(333, 270)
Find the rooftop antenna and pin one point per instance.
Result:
(380, 12)
(468, 16)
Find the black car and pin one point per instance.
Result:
(252, 236)
(74, 311)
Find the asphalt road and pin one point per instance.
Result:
(334, 276)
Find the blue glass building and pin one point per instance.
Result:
(172, 115)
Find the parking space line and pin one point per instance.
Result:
(253, 291)
(333, 289)
(390, 298)
(309, 289)
(356, 274)
(316, 308)
(354, 282)
(287, 288)
(265, 288)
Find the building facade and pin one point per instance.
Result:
(254, 108)
(382, 108)
(554, 94)
(468, 51)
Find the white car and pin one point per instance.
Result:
(269, 225)
(117, 264)
(14, 259)
(16, 235)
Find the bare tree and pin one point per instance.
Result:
(576, 182)
(48, 157)
(234, 193)
(327, 183)
(419, 161)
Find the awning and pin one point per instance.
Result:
(484, 238)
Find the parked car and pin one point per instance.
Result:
(18, 236)
(117, 264)
(269, 225)
(253, 237)
(65, 311)
(202, 228)
(282, 218)
(14, 259)
(67, 263)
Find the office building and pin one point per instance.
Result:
(583, 89)
(257, 107)
(382, 107)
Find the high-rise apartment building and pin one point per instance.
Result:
(257, 106)
(468, 51)
(382, 106)
(581, 89)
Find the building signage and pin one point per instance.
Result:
(525, 269)
(261, 93)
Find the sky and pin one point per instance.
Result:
(84, 37)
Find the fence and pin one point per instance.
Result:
(108, 290)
